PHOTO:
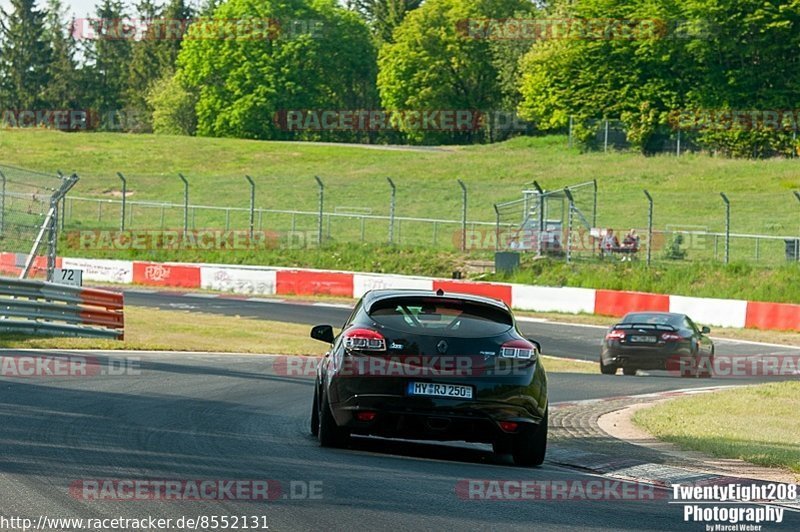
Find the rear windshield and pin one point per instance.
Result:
(673, 320)
(440, 317)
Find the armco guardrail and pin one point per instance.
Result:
(47, 309)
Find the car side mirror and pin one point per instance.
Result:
(536, 344)
(705, 329)
(323, 333)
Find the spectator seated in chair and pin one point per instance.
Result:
(610, 243)
(630, 245)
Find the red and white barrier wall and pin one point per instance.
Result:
(268, 281)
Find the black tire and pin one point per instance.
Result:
(629, 371)
(609, 369)
(530, 446)
(315, 412)
(329, 433)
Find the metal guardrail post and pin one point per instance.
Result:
(185, 204)
(463, 214)
(63, 202)
(649, 226)
(252, 205)
(727, 227)
(541, 219)
(392, 201)
(569, 223)
(321, 186)
(496, 228)
(2, 203)
(124, 196)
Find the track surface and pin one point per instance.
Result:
(229, 417)
(557, 339)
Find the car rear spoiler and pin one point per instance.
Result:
(653, 326)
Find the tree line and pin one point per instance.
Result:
(723, 72)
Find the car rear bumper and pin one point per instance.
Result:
(436, 418)
(646, 358)
(519, 397)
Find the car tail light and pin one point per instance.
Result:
(517, 349)
(366, 415)
(364, 340)
(671, 337)
(616, 335)
(508, 426)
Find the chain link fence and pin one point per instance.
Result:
(29, 207)
(565, 223)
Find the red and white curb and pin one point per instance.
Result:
(267, 281)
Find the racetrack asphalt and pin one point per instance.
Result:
(193, 416)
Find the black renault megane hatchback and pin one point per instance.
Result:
(427, 365)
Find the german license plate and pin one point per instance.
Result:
(433, 389)
(644, 339)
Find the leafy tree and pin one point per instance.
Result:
(438, 62)
(383, 16)
(326, 63)
(712, 54)
(25, 56)
(173, 107)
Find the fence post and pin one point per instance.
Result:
(463, 215)
(62, 209)
(605, 138)
(541, 219)
(252, 205)
(2, 203)
(569, 223)
(185, 204)
(321, 206)
(678, 149)
(569, 137)
(594, 204)
(727, 227)
(649, 226)
(52, 247)
(391, 210)
(496, 228)
(124, 195)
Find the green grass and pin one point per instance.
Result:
(758, 424)
(686, 189)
